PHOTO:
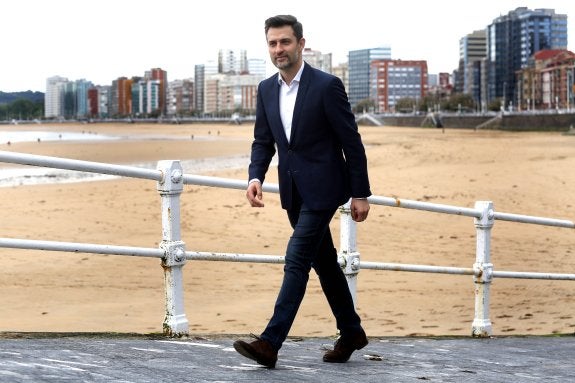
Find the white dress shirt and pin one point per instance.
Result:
(288, 95)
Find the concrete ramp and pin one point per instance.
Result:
(368, 119)
(432, 119)
(492, 123)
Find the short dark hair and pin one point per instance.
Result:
(283, 20)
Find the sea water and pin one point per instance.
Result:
(33, 135)
(40, 175)
(36, 175)
(31, 175)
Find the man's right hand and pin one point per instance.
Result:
(254, 194)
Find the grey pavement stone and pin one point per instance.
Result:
(140, 359)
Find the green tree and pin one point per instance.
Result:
(365, 105)
(4, 113)
(495, 105)
(406, 105)
(22, 109)
(430, 102)
(459, 102)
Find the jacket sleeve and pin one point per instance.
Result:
(343, 122)
(263, 145)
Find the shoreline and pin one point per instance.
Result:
(28, 175)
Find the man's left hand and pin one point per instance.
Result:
(359, 209)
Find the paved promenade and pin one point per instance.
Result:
(154, 359)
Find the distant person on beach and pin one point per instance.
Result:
(305, 114)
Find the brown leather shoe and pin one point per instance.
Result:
(259, 350)
(344, 347)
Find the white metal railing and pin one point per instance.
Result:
(170, 180)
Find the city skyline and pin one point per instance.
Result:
(108, 40)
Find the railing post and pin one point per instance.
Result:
(170, 188)
(483, 270)
(348, 254)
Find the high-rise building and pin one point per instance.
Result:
(150, 99)
(512, 39)
(54, 97)
(82, 87)
(159, 80)
(257, 67)
(392, 80)
(548, 81)
(433, 80)
(232, 61)
(120, 103)
(316, 59)
(230, 93)
(137, 109)
(181, 97)
(209, 69)
(70, 100)
(359, 62)
(104, 100)
(342, 71)
(98, 101)
(472, 49)
(211, 93)
(199, 84)
(93, 102)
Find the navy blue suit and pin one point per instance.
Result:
(325, 157)
(320, 168)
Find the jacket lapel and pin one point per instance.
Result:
(273, 111)
(299, 101)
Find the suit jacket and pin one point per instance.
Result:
(324, 157)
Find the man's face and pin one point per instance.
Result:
(285, 50)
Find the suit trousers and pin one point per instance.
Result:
(311, 245)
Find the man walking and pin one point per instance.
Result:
(305, 114)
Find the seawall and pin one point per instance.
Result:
(560, 122)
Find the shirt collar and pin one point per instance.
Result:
(296, 78)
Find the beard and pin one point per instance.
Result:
(291, 60)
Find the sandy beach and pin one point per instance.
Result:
(522, 173)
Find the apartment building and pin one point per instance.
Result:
(392, 80)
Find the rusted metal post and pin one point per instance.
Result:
(483, 269)
(170, 188)
(348, 254)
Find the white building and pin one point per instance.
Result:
(54, 97)
(232, 61)
(230, 93)
(317, 59)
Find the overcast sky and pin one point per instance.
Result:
(106, 39)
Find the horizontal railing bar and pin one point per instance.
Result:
(463, 271)
(416, 268)
(80, 247)
(377, 200)
(79, 165)
(233, 257)
(190, 179)
(137, 172)
(427, 206)
(534, 220)
(524, 275)
(254, 258)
